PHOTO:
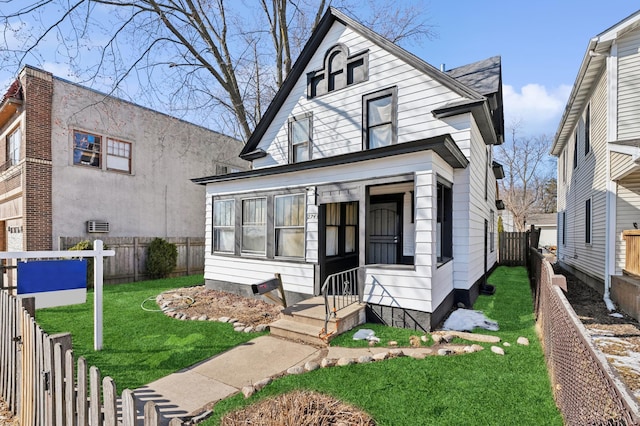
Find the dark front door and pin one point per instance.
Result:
(338, 239)
(384, 233)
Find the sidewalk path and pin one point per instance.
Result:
(187, 391)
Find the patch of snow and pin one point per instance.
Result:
(616, 315)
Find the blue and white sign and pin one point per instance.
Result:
(53, 282)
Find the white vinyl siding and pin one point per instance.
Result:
(621, 165)
(629, 86)
(628, 213)
(337, 116)
(584, 182)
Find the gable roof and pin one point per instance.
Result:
(593, 63)
(332, 15)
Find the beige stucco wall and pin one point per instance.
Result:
(157, 199)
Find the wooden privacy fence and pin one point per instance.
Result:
(131, 256)
(513, 247)
(44, 385)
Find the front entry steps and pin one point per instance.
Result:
(304, 321)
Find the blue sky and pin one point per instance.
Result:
(541, 43)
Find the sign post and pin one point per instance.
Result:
(98, 267)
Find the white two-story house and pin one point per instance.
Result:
(598, 150)
(370, 158)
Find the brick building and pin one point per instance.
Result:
(77, 162)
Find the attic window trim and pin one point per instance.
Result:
(354, 70)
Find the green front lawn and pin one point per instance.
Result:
(140, 346)
(475, 389)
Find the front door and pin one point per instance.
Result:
(384, 233)
(338, 239)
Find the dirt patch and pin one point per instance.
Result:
(618, 338)
(302, 408)
(199, 301)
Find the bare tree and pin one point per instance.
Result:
(216, 57)
(527, 172)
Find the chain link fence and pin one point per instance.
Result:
(586, 389)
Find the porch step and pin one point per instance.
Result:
(292, 330)
(308, 316)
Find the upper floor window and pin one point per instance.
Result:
(575, 149)
(118, 155)
(87, 149)
(13, 147)
(379, 123)
(587, 130)
(340, 70)
(300, 138)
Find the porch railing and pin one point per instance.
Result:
(340, 290)
(632, 256)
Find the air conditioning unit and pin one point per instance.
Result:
(97, 226)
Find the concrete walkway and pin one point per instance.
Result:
(186, 392)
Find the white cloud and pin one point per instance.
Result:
(537, 108)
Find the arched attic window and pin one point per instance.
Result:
(340, 70)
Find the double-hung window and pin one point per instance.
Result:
(13, 147)
(224, 226)
(254, 226)
(587, 130)
(300, 138)
(587, 221)
(289, 225)
(379, 118)
(444, 219)
(87, 149)
(118, 155)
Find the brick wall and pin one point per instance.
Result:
(37, 210)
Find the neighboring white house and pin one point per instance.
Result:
(79, 163)
(367, 157)
(598, 150)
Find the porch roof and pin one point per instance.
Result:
(442, 145)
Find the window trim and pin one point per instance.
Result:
(373, 96)
(99, 153)
(446, 233)
(564, 228)
(260, 253)
(9, 151)
(214, 226)
(118, 156)
(575, 149)
(588, 221)
(318, 80)
(492, 231)
(276, 227)
(305, 116)
(587, 130)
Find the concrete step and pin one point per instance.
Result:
(308, 317)
(292, 330)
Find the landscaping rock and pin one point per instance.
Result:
(497, 350)
(414, 341)
(477, 348)
(238, 329)
(365, 359)
(233, 320)
(223, 319)
(522, 341)
(392, 343)
(507, 344)
(345, 361)
(396, 353)
(247, 391)
(328, 362)
(444, 352)
(448, 338)
(262, 327)
(424, 338)
(203, 318)
(238, 324)
(262, 383)
(381, 356)
(311, 366)
(248, 329)
(295, 370)
(437, 338)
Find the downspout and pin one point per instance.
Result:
(610, 203)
